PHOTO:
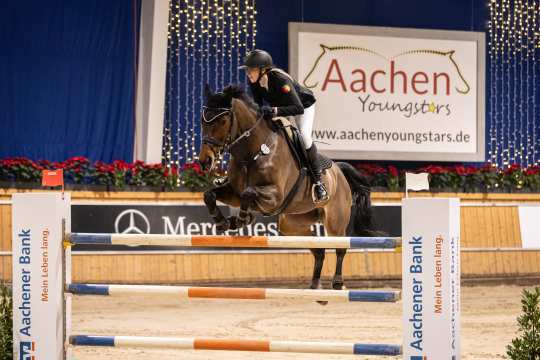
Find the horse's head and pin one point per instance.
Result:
(221, 120)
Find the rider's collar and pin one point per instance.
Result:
(263, 78)
(263, 81)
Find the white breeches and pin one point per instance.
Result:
(305, 125)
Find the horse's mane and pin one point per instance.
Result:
(223, 99)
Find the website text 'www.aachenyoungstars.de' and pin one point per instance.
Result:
(416, 137)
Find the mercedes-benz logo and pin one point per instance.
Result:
(135, 222)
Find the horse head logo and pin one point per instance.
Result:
(464, 87)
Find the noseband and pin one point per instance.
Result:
(229, 142)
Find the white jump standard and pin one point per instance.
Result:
(42, 287)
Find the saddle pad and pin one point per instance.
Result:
(290, 125)
(287, 125)
(323, 162)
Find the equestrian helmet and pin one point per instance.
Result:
(257, 59)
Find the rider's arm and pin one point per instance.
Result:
(257, 95)
(289, 96)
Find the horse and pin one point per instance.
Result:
(263, 174)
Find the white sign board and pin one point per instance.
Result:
(431, 279)
(529, 226)
(37, 275)
(393, 94)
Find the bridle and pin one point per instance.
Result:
(230, 141)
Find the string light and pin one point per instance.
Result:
(166, 152)
(206, 40)
(513, 41)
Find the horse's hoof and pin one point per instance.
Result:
(339, 286)
(316, 285)
(234, 224)
(250, 219)
(223, 226)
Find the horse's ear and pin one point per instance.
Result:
(208, 92)
(235, 104)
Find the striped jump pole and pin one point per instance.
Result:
(302, 242)
(237, 345)
(236, 293)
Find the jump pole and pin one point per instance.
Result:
(41, 307)
(190, 292)
(296, 242)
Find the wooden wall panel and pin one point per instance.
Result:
(5, 227)
(482, 226)
(383, 265)
(5, 268)
(149, 269)
(490, 226)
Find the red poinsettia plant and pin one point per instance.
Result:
(120, 174)
(193, 177)
(459, 178)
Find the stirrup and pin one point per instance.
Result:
(314, 196)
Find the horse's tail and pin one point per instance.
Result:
(361, 221)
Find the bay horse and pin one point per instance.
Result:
(262, 172)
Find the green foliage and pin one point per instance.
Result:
(6, 323)
(527, 346)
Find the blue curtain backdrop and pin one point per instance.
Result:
(273, 17)
(67, 79)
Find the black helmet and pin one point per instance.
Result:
(257, 58)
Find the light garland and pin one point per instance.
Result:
(514, 43)
(207, 40)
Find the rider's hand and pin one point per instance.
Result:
(267, 112)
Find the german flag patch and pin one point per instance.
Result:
(285, 89)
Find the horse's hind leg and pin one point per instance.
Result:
(335, 226)
(300, 225)
(318, 254)
(337, 281)
(336, 219)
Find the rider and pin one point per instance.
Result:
(284, 96)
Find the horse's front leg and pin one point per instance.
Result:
(226, 195)
(245, 217)
(263, 198)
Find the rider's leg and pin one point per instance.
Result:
(305, 125)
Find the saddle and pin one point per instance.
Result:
(294, 140)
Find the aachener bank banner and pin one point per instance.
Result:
(393, 94)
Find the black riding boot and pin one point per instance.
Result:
(319, 190)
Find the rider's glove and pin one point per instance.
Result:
(267, 112)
